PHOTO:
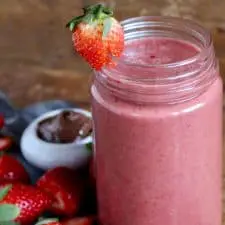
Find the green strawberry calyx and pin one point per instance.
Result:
(94, 15)
(8, 212)
(4, 191)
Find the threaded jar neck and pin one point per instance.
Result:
(135, 79)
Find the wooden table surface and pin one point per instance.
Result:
(36, 58)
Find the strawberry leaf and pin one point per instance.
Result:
(46, 221)
(98, 11)
(107, 24)
(4, 191)
(9, 212)
(74, 22)
(71, 26)
(9, 223)
(88, 18)
(108, 11)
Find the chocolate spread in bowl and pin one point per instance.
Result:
(65, 127)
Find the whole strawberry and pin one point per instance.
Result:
(97, 36)
(24, 203)
(12, 171)
(66, 189)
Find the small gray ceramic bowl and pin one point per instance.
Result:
(45, 155)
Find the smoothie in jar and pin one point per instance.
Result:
(158, 127)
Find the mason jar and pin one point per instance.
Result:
(158, 127)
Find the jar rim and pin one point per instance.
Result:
(182, 79)
(201, 33)
(201, 30)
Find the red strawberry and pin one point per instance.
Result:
(97, 36)
(11, 170)
(5, 143)
(66, 189)
(30, 202)
(79, 221)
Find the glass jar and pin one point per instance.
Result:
(158, 127)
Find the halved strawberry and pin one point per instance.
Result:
(65, 187)
(97, 36)
(24, 203)
(12, 171)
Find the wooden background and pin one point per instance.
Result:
(36, 58)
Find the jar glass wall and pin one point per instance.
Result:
(158, 127)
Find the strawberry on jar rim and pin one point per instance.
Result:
(97, 36)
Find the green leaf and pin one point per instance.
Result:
(98, 11)
(108, 11)
(71, 26)
(88, 18)
(107, 26)
(74, 22)
(46, 221)
(93, 9)
(9, 223)
(89, 8)
(4, 191)
(9, 212)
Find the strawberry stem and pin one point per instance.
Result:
(98, 11)
(90, 15)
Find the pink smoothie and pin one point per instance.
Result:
(158, 164)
